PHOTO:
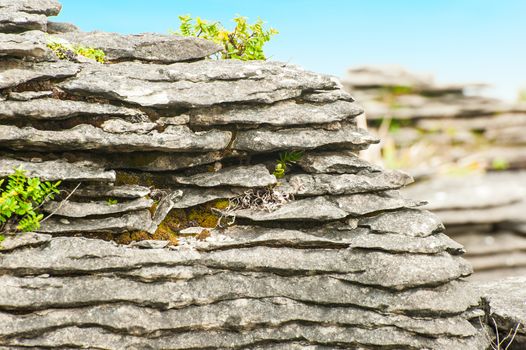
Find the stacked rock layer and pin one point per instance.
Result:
(163, 149)
(466, 153)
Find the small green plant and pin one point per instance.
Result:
(70, 52)
(112, 201)
(245, 42)
(500, 164)
(285, 159)
(20, 198)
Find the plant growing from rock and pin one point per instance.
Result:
(285, 159)
(245, 42)
(20, 198)
(65, 51)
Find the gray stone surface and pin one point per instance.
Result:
(321, 184)
(27, 44)
(281, 113)
(262, 140)
(310, 209)
(138, 221)
(195, 196)
(29, 95)
(191, 84)
(147, 46)
(16, 21)
(55, 109)
(88, 137)
(119, 126)
(43, 7)
(369, 203)
(249, 236)
(61, 27)
(124, 191)
(15, 72)
(506, 300)
(239, 176)
(57, 170)
(23, 240)
(341, 162)
(80, 210)
(414, 223)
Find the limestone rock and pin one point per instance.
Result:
(369, 203)
(23, 240)
(124, 191)
(27, 44)
(506, 302)
(281, 113)
(29, 95)
(16, 21)
(15, 72)
(147, 46)
(162, 209)
(310, 209)
(240, 176)
(61, 27)
(321, 184)
(195, 196)
(57, 170)
(138, 221)
(262, 140)
(196, 84)
(81, 210)
(119, 126)
(321, 96)
(342, 162)
(42, 7)
(88, 137)
(55, 109)
(414, 223)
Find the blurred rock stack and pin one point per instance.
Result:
(174, 154)
(467, 153)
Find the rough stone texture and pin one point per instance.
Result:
(61, 27)
(41, 7)
(220, 254)
(283, 113)
(321, 184)
(138, 221)
(15, 72)
(261, 140)
(54, 109)
(147, 46)
(506, 300)
(57, 170)
(335, 162)
(189, 84)
(23, 45)
(88, 137)
(17, 21)
(243, 176)
(79, 210)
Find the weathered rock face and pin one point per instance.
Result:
(440, 129)
(158, 157)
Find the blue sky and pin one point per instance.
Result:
(456, 40)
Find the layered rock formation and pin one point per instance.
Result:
(176, 159)
(465, 153)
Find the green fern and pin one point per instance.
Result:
(20, 198)
(245, 42)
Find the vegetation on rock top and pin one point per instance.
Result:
(245, 42)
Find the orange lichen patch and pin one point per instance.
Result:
(203, 235)
(128, 237)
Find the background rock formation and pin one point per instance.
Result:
(467, 153)
(332, 257)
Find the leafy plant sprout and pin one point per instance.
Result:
(20, 198)
(285, 159)
(244, 43)
(65, 51)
